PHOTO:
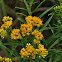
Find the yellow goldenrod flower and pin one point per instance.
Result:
(36, 41)
(5, 59)
(29, 19)
(7, 18)
(8, 60)
(23, 53)
(16, 34)
(35, 21)
(34, 32)
(41, 51)
(1, 59)
(3, 33)
(29, 50)
(38, 35)
(6, 24)
(26, 29)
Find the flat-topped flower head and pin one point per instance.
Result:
(38, 35)
(29, 19)
(16, 34)
(42, 52)
(25, 29)
(36, 41)
(35, 21)
(7, 18)
(6, 25)
(28, 51)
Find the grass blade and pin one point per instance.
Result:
(57, 41)
(45, 12)
(51, 29)
(39, 5)
(47, 22)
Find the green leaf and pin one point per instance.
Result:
(51, 38)
(22, 14)
(45, 12)
(22, 20)
(30, 2)
(27, 6)
(57, 41)
(51, 29)
(50, 59)
(39, 5)
(21, 8)
(47, 22)
(46, 28)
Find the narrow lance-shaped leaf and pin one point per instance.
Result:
(47, 22)
(40, 16)
(39, 5)
(57, 41)
(51, 29)
(22, 14)
(21, 8)
(27, 6)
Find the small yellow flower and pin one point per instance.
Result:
(6, 24)
(42, 52)
(1, 59)
(3, 33)
(29, 50)
(38, 35)
(7, 18)
(25, 29)
(16, 34)
(8, 60)
(36, 41)
(35, 21)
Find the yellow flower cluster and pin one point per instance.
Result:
(16, 34)
(5, 59)
(35, 21)
(1, 59)
(7, 18)
(25, 29)
(3, 33)
(30, 50)
(36, 41)
(6, 24)
(8, 60)
(42, 52)
(37, 34)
